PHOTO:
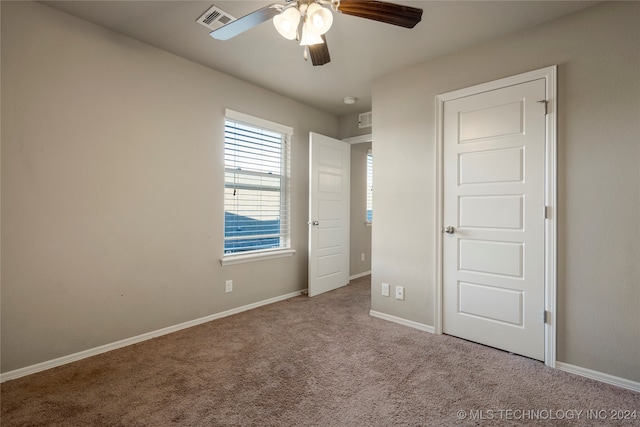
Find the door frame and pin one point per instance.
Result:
(550, 197)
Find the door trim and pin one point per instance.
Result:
(550, 227)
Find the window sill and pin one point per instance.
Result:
(256, 256)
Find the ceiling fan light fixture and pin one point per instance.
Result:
(309, 37)
(319, 18)
(287, 23)
(309, 20)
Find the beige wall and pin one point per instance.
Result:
(598, 56)
(112, 187)
(348, 126)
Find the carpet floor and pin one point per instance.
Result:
(321, 361)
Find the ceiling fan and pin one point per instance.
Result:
(308, 20)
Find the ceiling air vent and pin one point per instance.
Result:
(364, 120)
(215, 18)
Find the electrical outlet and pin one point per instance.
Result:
(228, 286)
(385, 289)
(362, 257)
(400, 292)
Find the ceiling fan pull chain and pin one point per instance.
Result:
(305, 55)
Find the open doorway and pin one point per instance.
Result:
(361, 221)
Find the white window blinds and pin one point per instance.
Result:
(256, 196)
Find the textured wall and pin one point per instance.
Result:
(597, 52)
(112, 179)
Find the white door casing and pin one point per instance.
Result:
(329, 203)
(496, 272)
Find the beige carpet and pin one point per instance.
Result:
(319, 361)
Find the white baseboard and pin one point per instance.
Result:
(402, 321)
(355, 276)
(28, 370)
(599, 376)
(584, 372)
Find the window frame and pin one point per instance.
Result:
(285, 249)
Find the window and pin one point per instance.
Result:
(369, 187)
(256, 182)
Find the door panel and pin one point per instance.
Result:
(500, 258)
(504, 212)
(477, 167)
(493, 303)
(329, 200)
(493, 261)
(479, 123)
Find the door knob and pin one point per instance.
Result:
(449, 229)
(315, 223)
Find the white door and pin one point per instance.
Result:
(329, 188)
(493, 217)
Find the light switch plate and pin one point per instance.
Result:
(385, 289)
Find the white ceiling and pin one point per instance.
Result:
(361, 50)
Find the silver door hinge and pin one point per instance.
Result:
(546, 103)
(545, 212)
(546, 316)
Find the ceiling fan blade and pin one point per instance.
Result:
(247, 22)
(389, 13)
(320, 53)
